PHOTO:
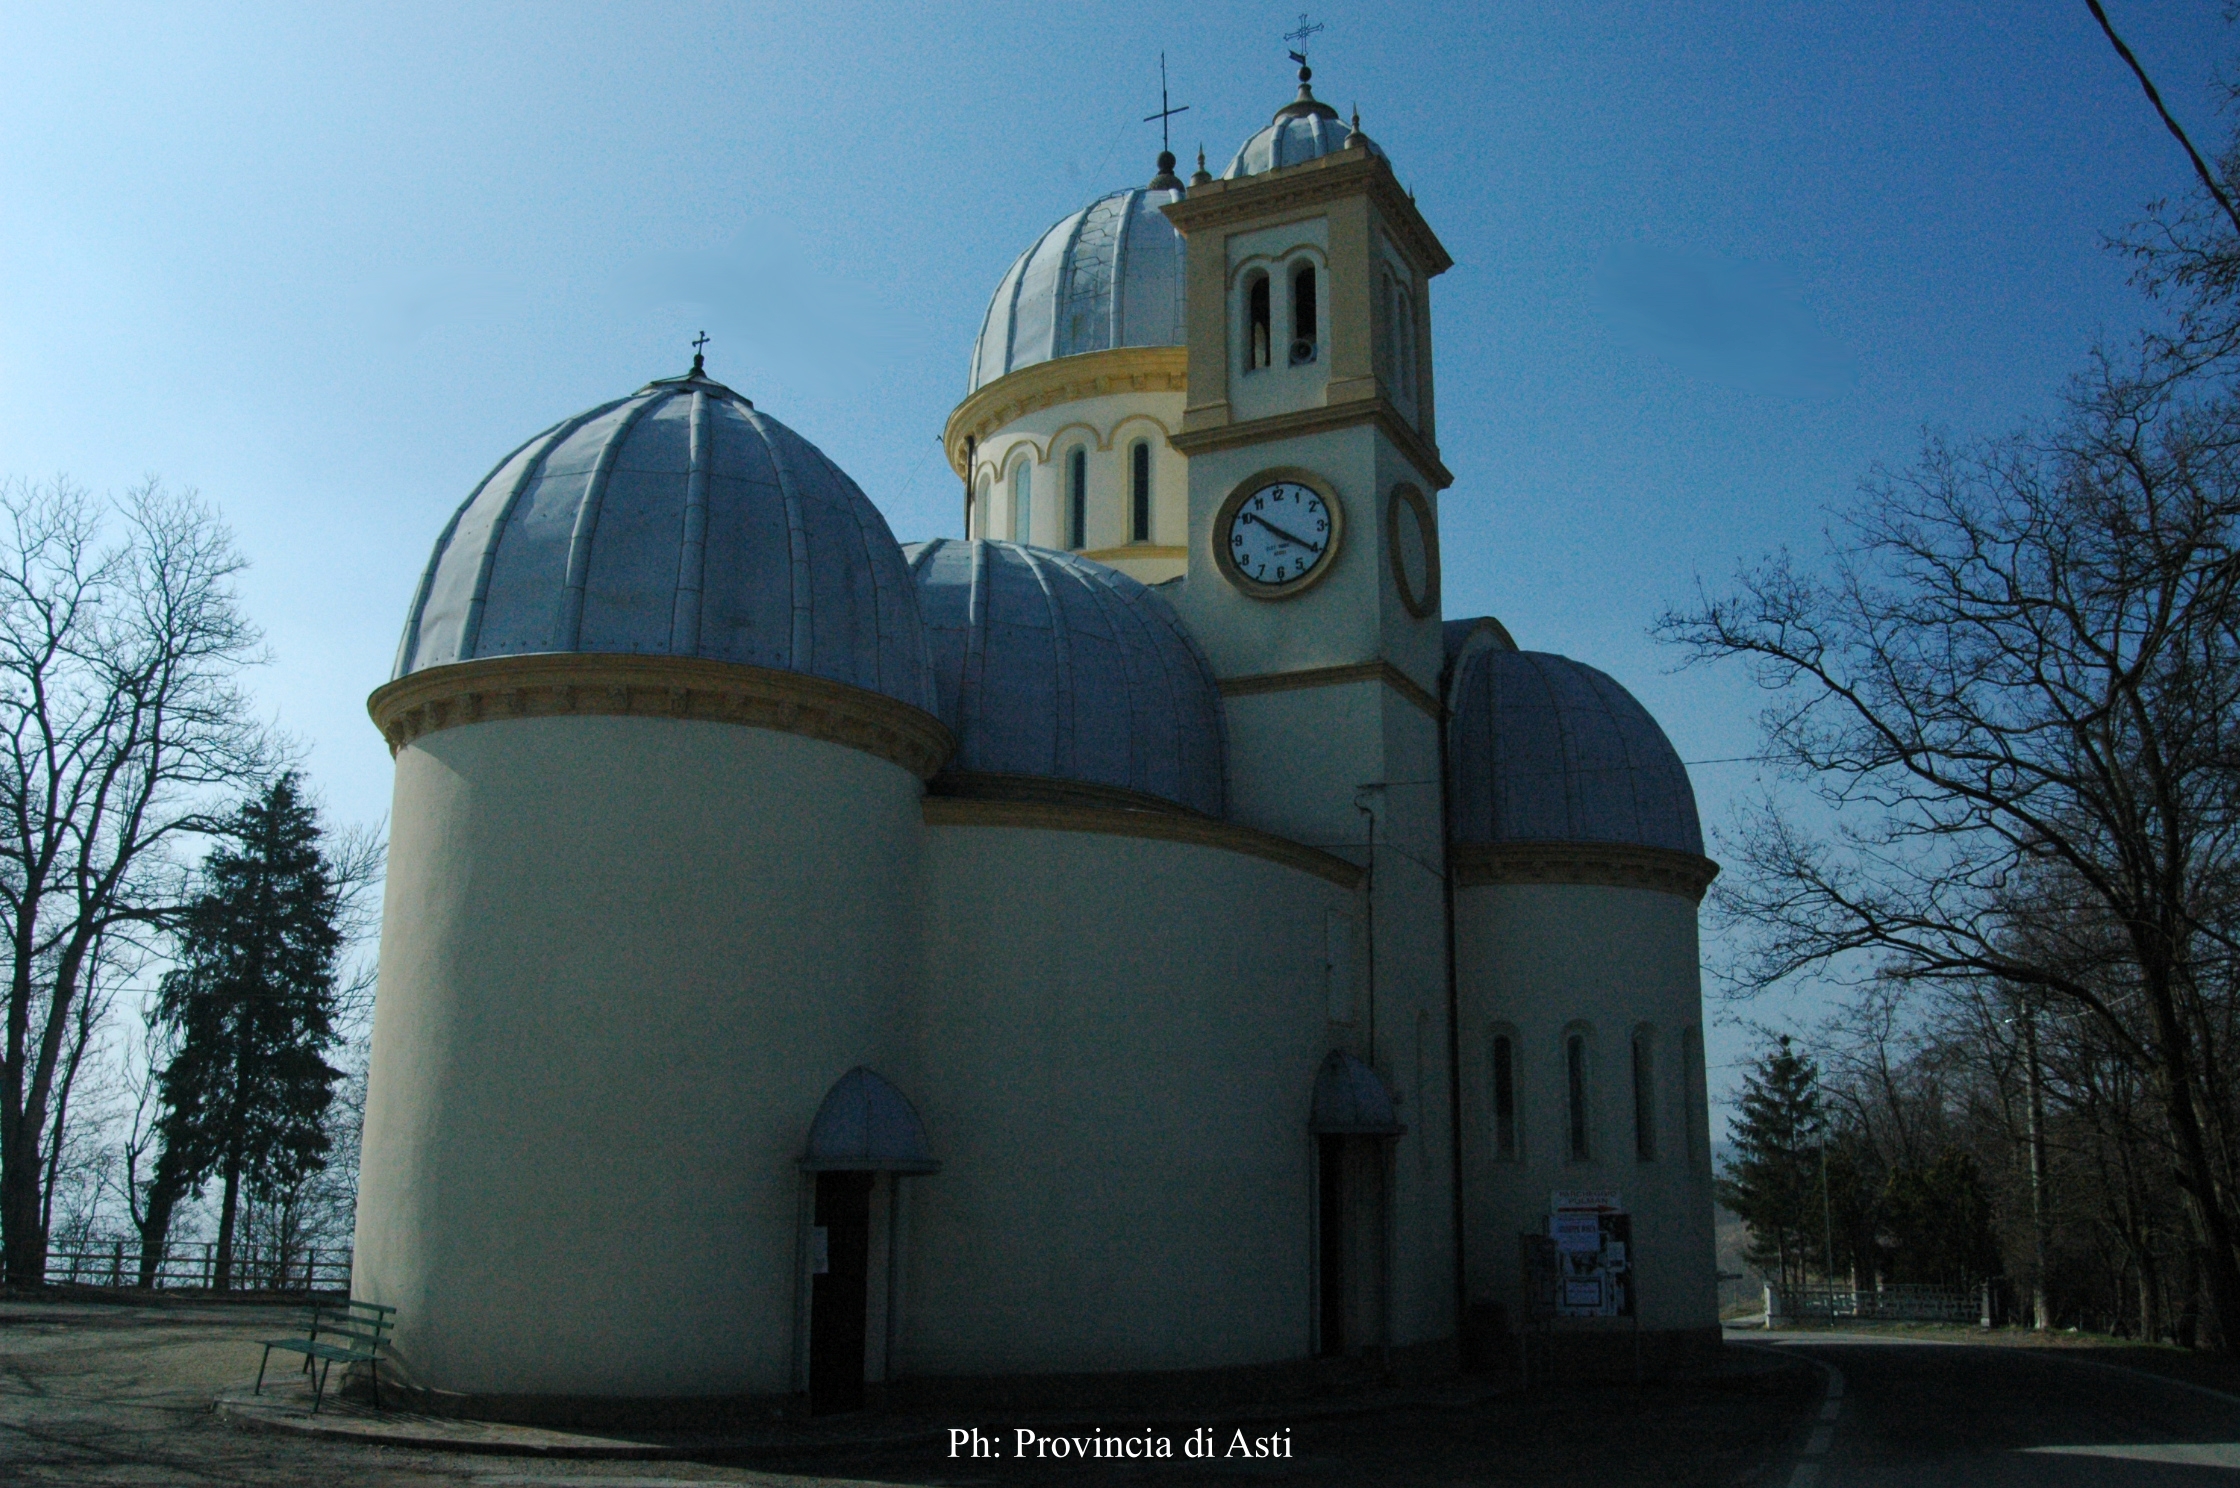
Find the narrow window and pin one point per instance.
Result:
(1691, 1084)
(1302, 314)
(978, 522)
(1139, 490)
(1504, 1096)
(1644, 1094)
(1575, 1072)
(1022, 502)
(1077, 495)
(1256, 295)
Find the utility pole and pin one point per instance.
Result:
(2040, 1313)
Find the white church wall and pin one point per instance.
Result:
(622, 960)
(1536, 961)
(1120, 1040)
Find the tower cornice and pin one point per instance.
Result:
(1314, 183)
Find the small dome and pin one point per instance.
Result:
(1546, 749)
(1109, 275)
(1051, 666)
(675, 522)
(1304, 129)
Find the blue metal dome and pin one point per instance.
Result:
(1109, 275)
(675, 522)
(1541, 748)
(1304, 129)
(1052, 666)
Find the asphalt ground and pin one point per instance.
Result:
(1909, 1413)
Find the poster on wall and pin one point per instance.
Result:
(1593, 1238)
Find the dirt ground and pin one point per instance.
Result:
(94, 1393)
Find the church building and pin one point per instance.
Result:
(1145, 934)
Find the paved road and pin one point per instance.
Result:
(1927, 1415)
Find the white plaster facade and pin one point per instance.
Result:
(810, 962)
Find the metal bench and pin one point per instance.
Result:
(350, 1334)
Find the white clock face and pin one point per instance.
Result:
(1279, 534)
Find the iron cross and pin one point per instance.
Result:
(698, 342)
(1164, 113)
(1300, 36)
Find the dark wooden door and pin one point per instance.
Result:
(839, 1295)
(1332, 1230)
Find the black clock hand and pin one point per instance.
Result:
(1278, 531)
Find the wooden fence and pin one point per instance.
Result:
(276, 1268)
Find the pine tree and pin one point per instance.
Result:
(1773, 1181)
(253, 1006)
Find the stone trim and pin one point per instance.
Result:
(1612, 865)
(1309, 184)
(1421, 452)
(1337, 676)
(1162, 826)
(1094, 374)
(594, 684)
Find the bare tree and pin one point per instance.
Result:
(120, 642)
(2017, 690)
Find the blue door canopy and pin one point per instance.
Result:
(1351, 1101)
(867, 1126)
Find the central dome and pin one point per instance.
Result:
(678, 521)
(1109, 275)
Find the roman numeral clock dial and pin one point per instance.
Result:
(1276, 534)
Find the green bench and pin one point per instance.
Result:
(351, 1334)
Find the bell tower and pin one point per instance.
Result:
(1313, 578)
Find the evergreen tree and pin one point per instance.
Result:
(1773, 1180)
(253, 1007)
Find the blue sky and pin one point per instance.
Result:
(1712, 262)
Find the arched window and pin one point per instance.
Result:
(1257, 332)
(1505, 1096)
(1645, 1093)
(1022, 501)
(1077, 500)
(977, 523)
(1575, 1082)
(1303, 333)
(1139, 490)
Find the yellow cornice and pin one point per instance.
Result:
(1162, 826)
(1377, 410)
(1093, 374)
(1614, 865)
(576, 685)
(1336, 676)
(1132, 550)
(1309, 184)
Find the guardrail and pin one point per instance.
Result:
(116, 1263)
(1910, 1303)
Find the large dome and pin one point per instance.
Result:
(1304, 129)
(678, 521)
(1052, 666)
(1545, 749)
(1109, 275)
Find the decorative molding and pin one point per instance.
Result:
(1427, 527)
(1131, 550)
(1174, 825)
(1094, 374)
(1315, 183)
(1337, 676)
(1379, 411)
(1613, 865)
(596, 684)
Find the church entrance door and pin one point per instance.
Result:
(1351, 1226)
(839, 1293)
